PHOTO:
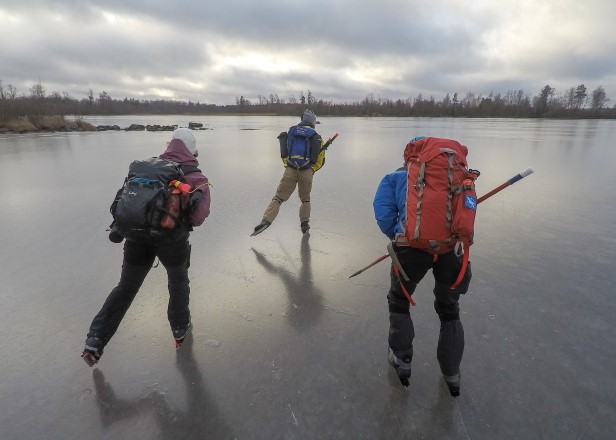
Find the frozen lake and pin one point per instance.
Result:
(285, 345)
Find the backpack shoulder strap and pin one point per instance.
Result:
(187, 169)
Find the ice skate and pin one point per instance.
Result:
(453, 383)
(180, 333)
(261, 227)
(402, 367)
(305, 227)
(93, 351)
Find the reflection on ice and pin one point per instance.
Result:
(305, 300)
(200, 419)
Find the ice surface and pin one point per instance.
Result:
(284, 344)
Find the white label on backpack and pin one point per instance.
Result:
(470, 202)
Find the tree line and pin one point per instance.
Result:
(575, 102)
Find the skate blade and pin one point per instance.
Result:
(89, 358)
(178, 343)
(455, 392)
(258, 231)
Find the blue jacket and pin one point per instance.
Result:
(390, 202)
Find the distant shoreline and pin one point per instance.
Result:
(78, 124)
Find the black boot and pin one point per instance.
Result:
(92, 351)
(305, 226)
(402, 367)
(180, 333)
(453, 383)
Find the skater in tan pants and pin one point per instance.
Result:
(291, 178)
(303, 153)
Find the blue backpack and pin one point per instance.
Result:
(302, 147)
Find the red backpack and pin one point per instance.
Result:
(441, 201)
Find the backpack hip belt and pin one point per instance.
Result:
(400, 240)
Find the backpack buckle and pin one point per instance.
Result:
(401, 240)
(458, 249)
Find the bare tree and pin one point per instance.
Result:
(569, 98)
(470, 101)
(311, 98)
(37, 91)
(543, 100)
(446, 101)
(241, 101)
(103, 97)
(580, 96)
(11, 91)
(598, 98)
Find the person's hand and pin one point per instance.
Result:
(115, 237)
(195, 199)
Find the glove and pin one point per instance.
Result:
(114, 235)
(193, 204)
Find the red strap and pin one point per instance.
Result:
(406, 293)
(462, 269)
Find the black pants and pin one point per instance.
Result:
(445, 269)
(138, 260)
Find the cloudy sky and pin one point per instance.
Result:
(213, 51)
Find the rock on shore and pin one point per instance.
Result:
(63, 125)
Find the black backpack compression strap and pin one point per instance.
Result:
(187, 169)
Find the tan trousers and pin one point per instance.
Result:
(291, 178)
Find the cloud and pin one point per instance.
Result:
(216, 50)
